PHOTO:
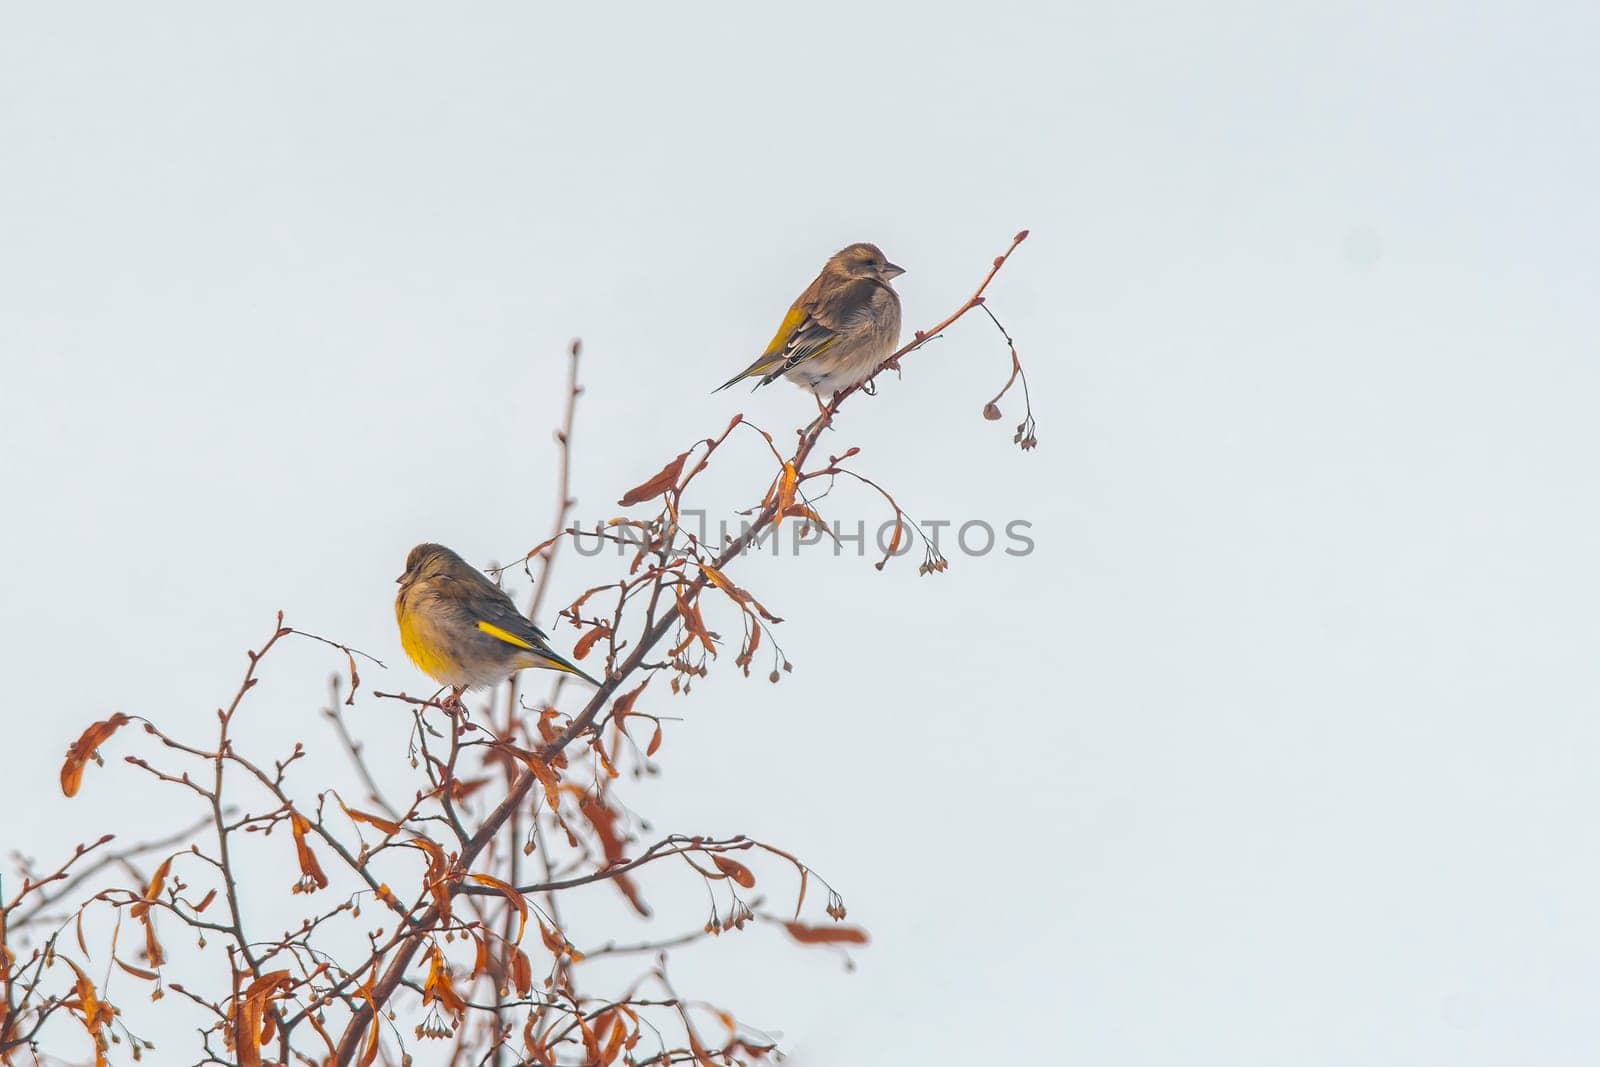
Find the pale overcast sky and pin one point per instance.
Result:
(1281, 745)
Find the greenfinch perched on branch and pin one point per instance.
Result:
(461, 629)
(839, 330)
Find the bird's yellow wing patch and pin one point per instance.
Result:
(544, 656)
(504, 635)
(791, 322)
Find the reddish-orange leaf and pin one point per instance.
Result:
(744, 599)
(152, 947)
(269, 1027)
(804, 512)
(582, 646)
(747, 654)
(787, 484)
(665, 479)
(591, 1046)
(436, 882)
(619, 1034)
(265, 987)
(84, 749)
(322, 1032)
(552, 941)
(693, 624)
(605, 761)
(548, 730)
(388, 826)
(722, 582)
(369, 1055)
(437, 989)
(252, 1020)
(311, 876)
(436, 857)
(557, 943)
(894, 542)
(521, 972)
(623, 707)
(533, 1045)
(538, 1053)
(547, 778)
(604, 821)
(137, 972)
(141, 911)
(153, 891)
(826, 935)
(701, 1056)
(95, 1012)
(514, 898)
(655, 742)
(735, 870)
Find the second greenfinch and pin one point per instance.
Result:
(839, 330)
(461, 629)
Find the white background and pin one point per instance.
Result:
(1281, 746)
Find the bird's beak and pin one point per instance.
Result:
(400, 579)
(891, 270)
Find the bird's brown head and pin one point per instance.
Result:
(863, 260)
(426, 560)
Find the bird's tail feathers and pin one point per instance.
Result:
(759, 369)
(555, 662)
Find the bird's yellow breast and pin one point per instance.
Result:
(421, 643)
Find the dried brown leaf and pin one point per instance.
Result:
(807, 934)
(581, 647)
(85, 748)
(514, 898)
(665, 479)
(311, 876)
(735, 870)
